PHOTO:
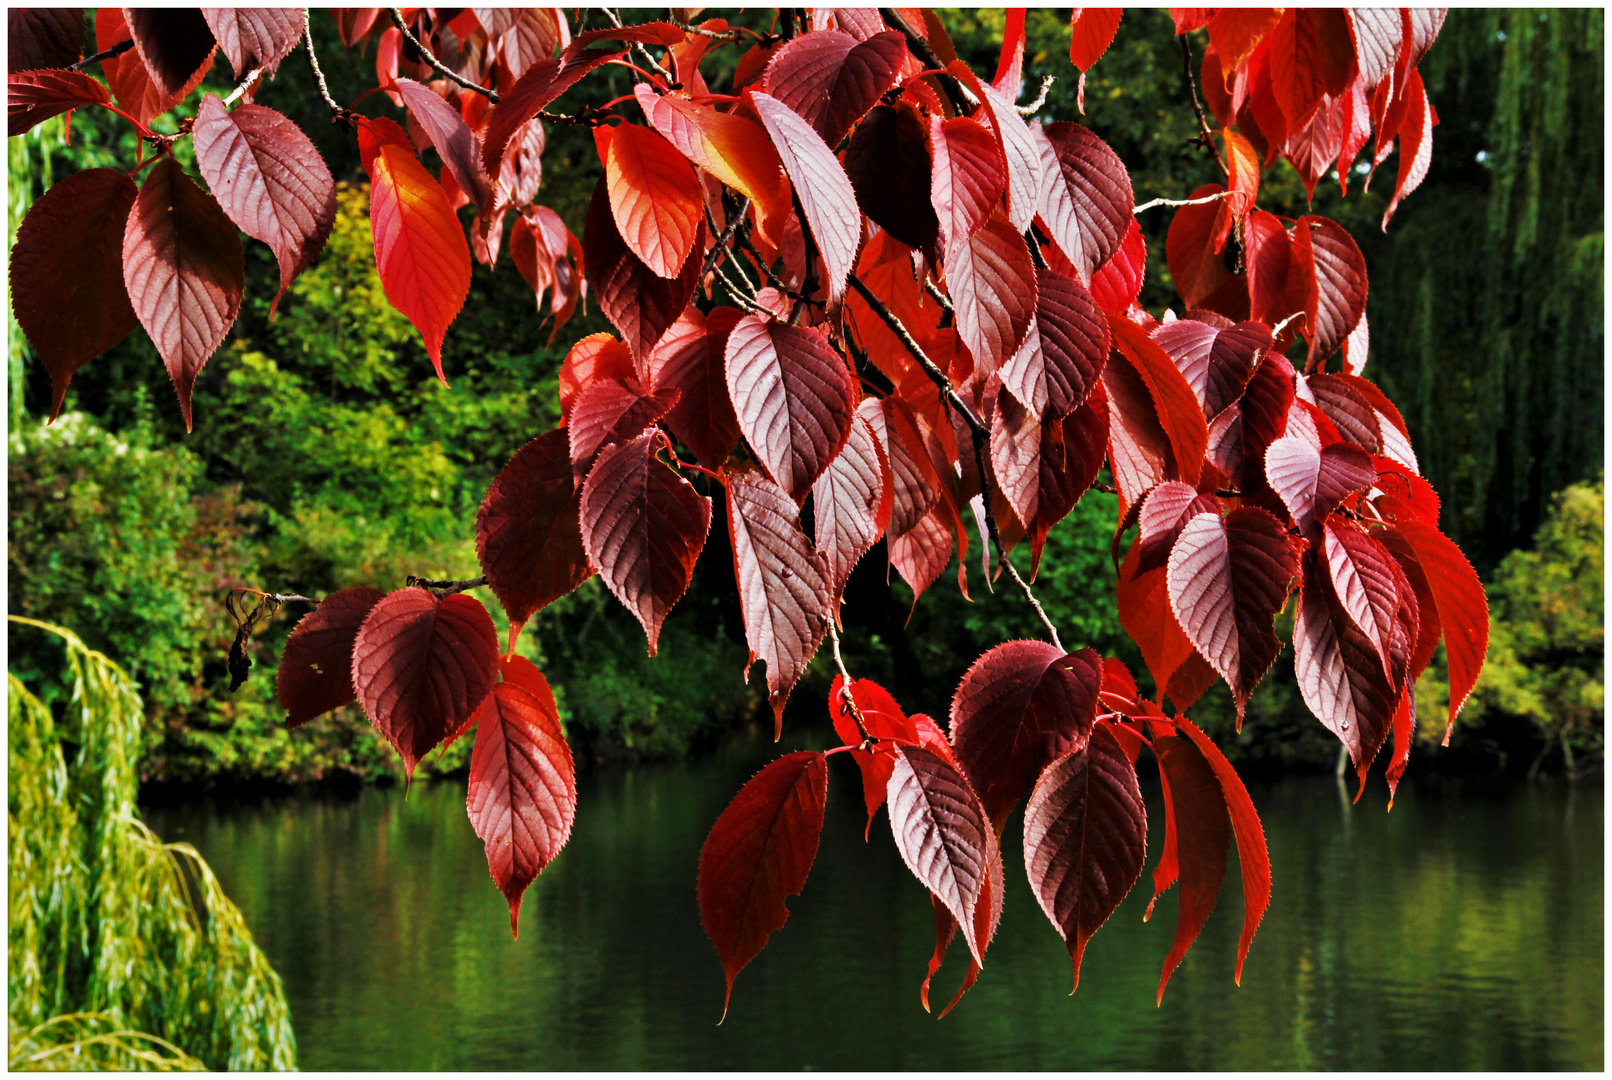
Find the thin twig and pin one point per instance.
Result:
(731, 34)
(719, 249)
(1205, 136)
(336, 111)
(437, 65)
(1182, 202)
(241, 87)
(105, 54)
(961, 99)
(845, 690)
(638, 47)
(808, 284)
(940, 298)
(446, 587)
(1040, 99)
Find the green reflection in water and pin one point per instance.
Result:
(1459, 931)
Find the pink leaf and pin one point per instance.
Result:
(1086, 199)
(852, 502)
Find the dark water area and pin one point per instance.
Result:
(1462, 930)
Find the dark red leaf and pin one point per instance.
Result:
(132, 85)
(458, 147)
(1227, 580)
(1085, 837)
(269, 179)
(1428, 627)
(1144, 612)
(1021, 152)
(1415, 143)
(32, 97)
(1138, 448)
(1086, 199)
(757, 856)
(993, 288)
(969, 177)
(1064, 352)
(593, 359)
(254, 38)
(1311, 482)
(527, 535)
(832, 79)
(641, 304)
(421, 667)
(884, 720)
(889, 165)
(522, 795)
(611, 411)
(1021, 705)
(1277, 286)
(43, 38)
(1339, 673)
(1463, 610)
(1164, 513)
(691, 359)
(784, 584)
(1262, 416)
(1197, 838)
(1193, 247)
(794, 398)
(943, 835)
(542, 83)
(184, 271)
(1313, 148)
(316, 668)
(1043, 466)
(1118, 281)
(1363, 577)
(175, 44)
(1175, 405)
(355, 24)
(921, 553)
(1355, 417)
(1218, 361)
(1310, 55)
(852, 503)
(1337, 297)
(67, 273)
(643, 526)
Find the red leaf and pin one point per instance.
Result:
(611, 411)
(1428, 627)
(1144, 612)
(127, 76)
(355, 24)
(993, 288)
(1217, 360)
(420, 247)
(1193, 246)
(43, 37)
(921, 553)
(1138, 448)
(527, 537)
(1277, 286)
(1236, 32)
(593, 359)
(175, 44)
(889, 166)
(824, 190)
(1021, 152)
(1165, 512)
(1227, 580)
(522, 795)
(1196, 834)
(757, 856)
(1415, 143)
(542, 83)
(1377, 34)
(1021, 705)
(269, 179)
(254, 38)
(1086, 199)
(852, 502)
(1337, 297)
(1085, 837)
(316, 668)
(784, 584)
(690, 359)
(421, 667)
(1342, 403)
(1117, 283)
(1064, 352)
(1010, 66)
(884, 720)
(1044, 466)
(1314, 147)
(1311, 482)
(832, 79)
(32, 97)
(642, 304)
(457, 145)
(67, 273)
(531, 35)
(654, 197)
(913, 491)
(1339, 673)
(643, 526)
(1463, 610)
(1310, 56)
(1091, 31)
(651, 33)
(969, 177)
(1363, 580)
(1243, 182)
(184, 271)
(943, 835)
(1175, 405)
(794, 398)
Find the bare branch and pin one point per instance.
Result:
(1040, 99)
(336, 111)
(241, 87)
(845, 689)
(437, 65)
(1150, 204)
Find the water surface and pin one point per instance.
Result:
(1463, 930)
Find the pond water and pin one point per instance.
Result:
(1462, 930)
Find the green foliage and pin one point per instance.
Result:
(105, 918)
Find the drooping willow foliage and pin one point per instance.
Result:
(125, 952)
(1487, 306)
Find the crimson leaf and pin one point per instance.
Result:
(527, 535)
(316, 668)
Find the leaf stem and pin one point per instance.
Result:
(105, 54)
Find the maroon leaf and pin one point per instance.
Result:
(1021, 153)
(1197, 839)
(1064, 352)
(993, 288)
(1428, 626)
(1138, 448)
(889, 164)
(67, 273)
(757, 856)
(1377, 34)
(458, 147)
(643, 526)
(1337, 297)
(1311, 482)
(1193, 249)
(593, 359)
(784, 584)
(968, 180)
(832, 79)
(851, 503)
(421, 667)
(1044, 466)
(1218, 360)
(943, 835)
(825, 191)
(611, 411)
(1085, 838)
(1165, 512)
(884, 720)
(1021, 705)
(525, 35)
(184, 271)
(1364, 581)
(1227, 580)
(173, 43)
(1463, 610)
(640, 303)
(316, 669)
(1339, 673)
(1086, 199)
(527, 537)
(542, 83)
(1171, 395)
(691, 359)
(1355, 417)
(254, 38)
(1262, 416)
(43, 38)
(794, 398)
(32, 97)
(269, 179)
(913, 492)
(126, 74)
(522, 796)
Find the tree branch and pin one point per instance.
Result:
(337, 113)
(240, 87)
(437, 65)
(1151, 203)
(105, 54)
(643, 53)
(1205, 137)
(1040, 99)
(961, 99)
